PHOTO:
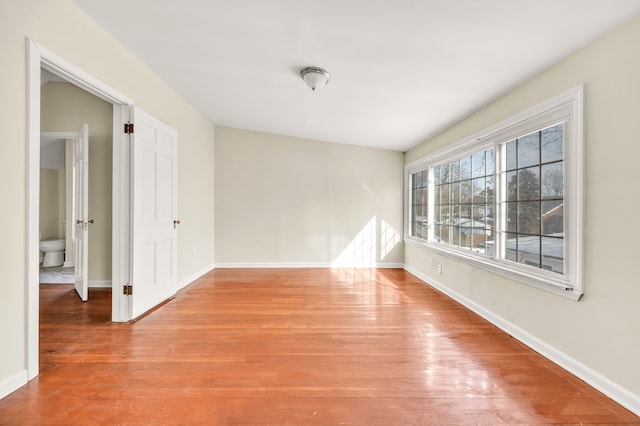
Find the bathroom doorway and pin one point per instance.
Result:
(74, 203)
(64, 222)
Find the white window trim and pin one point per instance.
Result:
(567, 107)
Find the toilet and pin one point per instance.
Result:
(53, 252)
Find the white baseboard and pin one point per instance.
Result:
(13, 383)
(305, 265)
(191, 278)
(99, 284)
(621, 395)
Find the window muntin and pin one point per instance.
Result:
(419, 204)
(464, 208)
(534, 231)
(543, 243)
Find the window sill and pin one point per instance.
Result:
(548, 281)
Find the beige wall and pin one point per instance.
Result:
(65, 108)
(603, 330)
(283, 200)
(62, 28)
(50, 219)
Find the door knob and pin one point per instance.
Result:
(175, 222)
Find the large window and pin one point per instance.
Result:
(509, 201)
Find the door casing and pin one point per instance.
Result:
(40, 57)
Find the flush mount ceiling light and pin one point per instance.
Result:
(315, 77)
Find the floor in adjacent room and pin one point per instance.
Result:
(56, 275)
(294, 347)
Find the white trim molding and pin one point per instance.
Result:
(39, 57)
(191, 278)
(99, 284)
(13, 383)
(306, 265)
(618, 393)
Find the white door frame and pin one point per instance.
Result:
(39, 57)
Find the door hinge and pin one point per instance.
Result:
(127, 289)
(128, 127)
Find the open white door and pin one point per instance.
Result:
(154, 200)
(81, 208)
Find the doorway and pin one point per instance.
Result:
(64, 204)
(41, 58)
(79, 128)
(142, 250)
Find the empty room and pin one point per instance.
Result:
(334, 212)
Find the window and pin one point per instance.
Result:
(509, 200)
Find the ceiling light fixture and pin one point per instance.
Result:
(315, 77)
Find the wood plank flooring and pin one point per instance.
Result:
(294, 347)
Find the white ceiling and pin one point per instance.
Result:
(402, 70)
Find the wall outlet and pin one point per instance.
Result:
(440, 268)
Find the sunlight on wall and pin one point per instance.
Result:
(363, 251)
(389, 238)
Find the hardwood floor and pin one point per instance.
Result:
(295, 347)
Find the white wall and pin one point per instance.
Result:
(289, 201)
(602, 332)
(62, 28)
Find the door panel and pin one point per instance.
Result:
(154, 188)
(81, 195)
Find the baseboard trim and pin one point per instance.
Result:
(191, 278)
(618, 393)
(305, 265)
(99, 284)
(13, 383)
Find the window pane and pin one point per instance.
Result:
(529, 250)
(553, 254)
(447, 215)
(465, 168)
(553, 180)
(447, 234)
(511, 247)
(512, 186)
(552, 217)
(465, 212)
(490, 162)
(479, 213)
(455, 235)
(479, 242)
(478, 164)
(436, 232)
(529, 150)
(444, 194)
(512, 162)
(491, 187)
(454, 171)
(465, 237)
(479, 190)
(529, 217)
(465, 191)
(455, 193)
(512, 217)
(529, 184)
(552, 141)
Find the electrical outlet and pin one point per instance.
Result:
(440, 268)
